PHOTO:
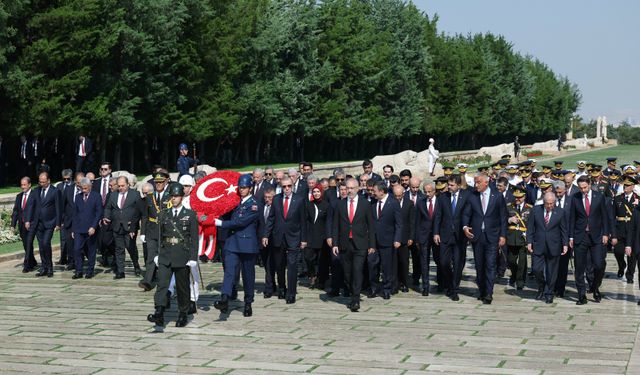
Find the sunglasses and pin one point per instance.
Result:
(104, 169)
(287, 186)
(269, 174)
(339, 179)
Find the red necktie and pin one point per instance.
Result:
(351, 215)
(82, 148)
(286, 206)
(121, 201)
(430, 209)
(587, 204)
(24, 200)
(546, 218)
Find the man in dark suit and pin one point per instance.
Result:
(485, 225)
(401, 255)
(83, 148)
(259, 184)
(367, 169)
(101, 184)
(447, 232)
(589, 230)
(563, 200)
(337, 274)
(87, 214)
(122, 213)
(426, 208)
(47, 219)
(547, 240)
(266, 252)
(353, 236)
(288, 226)
(24, 158)
(387, 220)
(69, 193)
(414, 194)
(22, 215)
(66, 247)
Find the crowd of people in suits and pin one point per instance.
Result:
(367, 234)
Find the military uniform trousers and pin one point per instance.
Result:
(150, 265)
(182, 274)
(517, 259)
(236, 263)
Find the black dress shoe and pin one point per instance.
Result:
(582, 300)
(519, 288)
(192, 308)
(281, 294)
(118, 276)
(138, 272)
(425, 292)
(404, 289)
(88, 276)
(70, 267)
(560, 294)
(454, 297)
(247, 310)
(620, 273)
(222, 304)
(182, 320)
(354, 306)
(41, 273)
(50, 274)
(144, 285)
(590, 290)
(549, 299)
(597, 297)
(291, 300)
(629, 281)
(61, 262)
(25, 270)
(486, 301)
(439, 289)
(333, 293)
(386, 295)
(267, 294)
(371, 294)
(77, 276)
(540, 295)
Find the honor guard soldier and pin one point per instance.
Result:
(623, 209)
(241, 247)
(177, 253)
(518, 214)
(184, 161)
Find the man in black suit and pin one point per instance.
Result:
(83, 148)
(288, 226)
(69, 193)
(414, 194)
(447, 232)
(589, 229)
(337, 274)
(47, 219)
(24, 158)
(266, 252)
(102, 187)
(22, 215)
(547, 240)
(401, 255)
(485, 225)
(563, 200)
(426, 208)
(367, 169)
(66, 247)
(259, 184)
(122, 213)
(86, 215)
(387, 220)
(353, 236)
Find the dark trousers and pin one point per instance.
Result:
(66, 247)
(401, 267)
(563, 272)
(484, 254)
(584, 252)
(150, 265)
(311, 257)
(44, 236)
(453, 256)
(425, 263)
(80, 164)
(123, 242)
(280, 266)
(269, 268)
(237, 263)
(27, 237)
(381, 261)
(630, 262)
(502, 261)
(545, 267)
(352, 265)
(293, 256)
(80, 241)
(517, 259)
(416, 267)
(182, 286)
(337, 274)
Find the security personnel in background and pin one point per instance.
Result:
(518, 213)
(241, 247)
(185, 162)
(623, 208)
(178, 251)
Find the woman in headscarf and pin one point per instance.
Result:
(317, 213)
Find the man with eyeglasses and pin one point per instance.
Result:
(269, 176)
(259, 184)
(66, 249)
(69, 196)
(278, 181)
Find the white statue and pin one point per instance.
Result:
(433, 156)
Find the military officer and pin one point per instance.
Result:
(177, 253)
(241, 247)
(184, 161)
(623, 208)
(518, 212)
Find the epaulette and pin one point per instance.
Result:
(528, 205)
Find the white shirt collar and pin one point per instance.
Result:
(245, 199)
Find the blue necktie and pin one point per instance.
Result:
(453, 203)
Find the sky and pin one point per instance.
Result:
(596, 44)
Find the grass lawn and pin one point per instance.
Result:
(626, 154)
(17, 246)
(9, 189)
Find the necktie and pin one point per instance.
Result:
(379, 209)
(104, 190)
(175, 214)
(266, 212)
(454, 203)
(43, 193)
(546, 218)
(286, 206)
(351, 214)
(24, 200)
(86, 196)
(484, 202)
(82, 147)
(121, 200)
(413, 199)
(587, 204)
(430, 209)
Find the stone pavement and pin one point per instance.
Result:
(99, 326)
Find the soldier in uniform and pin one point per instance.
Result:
(623, 206)
(518, 213)
(240, 248)
(184, 161)
(177, 253)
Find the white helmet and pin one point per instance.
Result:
(431, 140)
(186, 180)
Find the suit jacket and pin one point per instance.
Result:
(448, 224)
(242, 228)
(388, 225)
(317, 230)
(362, 227)
(88, 147)
(408, 217)
(125, 219)
(68, 205)
(598, 220)
(302, 189)
(550, 238)
(259, 193)
(532, 193)
(48, 209)
(424, 223)
(21, 216)
(86, 214)
(97, 186)
(495, 217)
(262, 221)
(419, 196)
(291, 231)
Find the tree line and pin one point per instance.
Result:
(270, 80)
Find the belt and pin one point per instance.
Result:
(623, 218)
(153, 219)
(519, 228)
(171, 240)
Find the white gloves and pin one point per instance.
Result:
(155, 260)
(143, 238)
(218, 222)
(192, 263)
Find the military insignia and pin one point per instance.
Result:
(254, 208)
(203, 217)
